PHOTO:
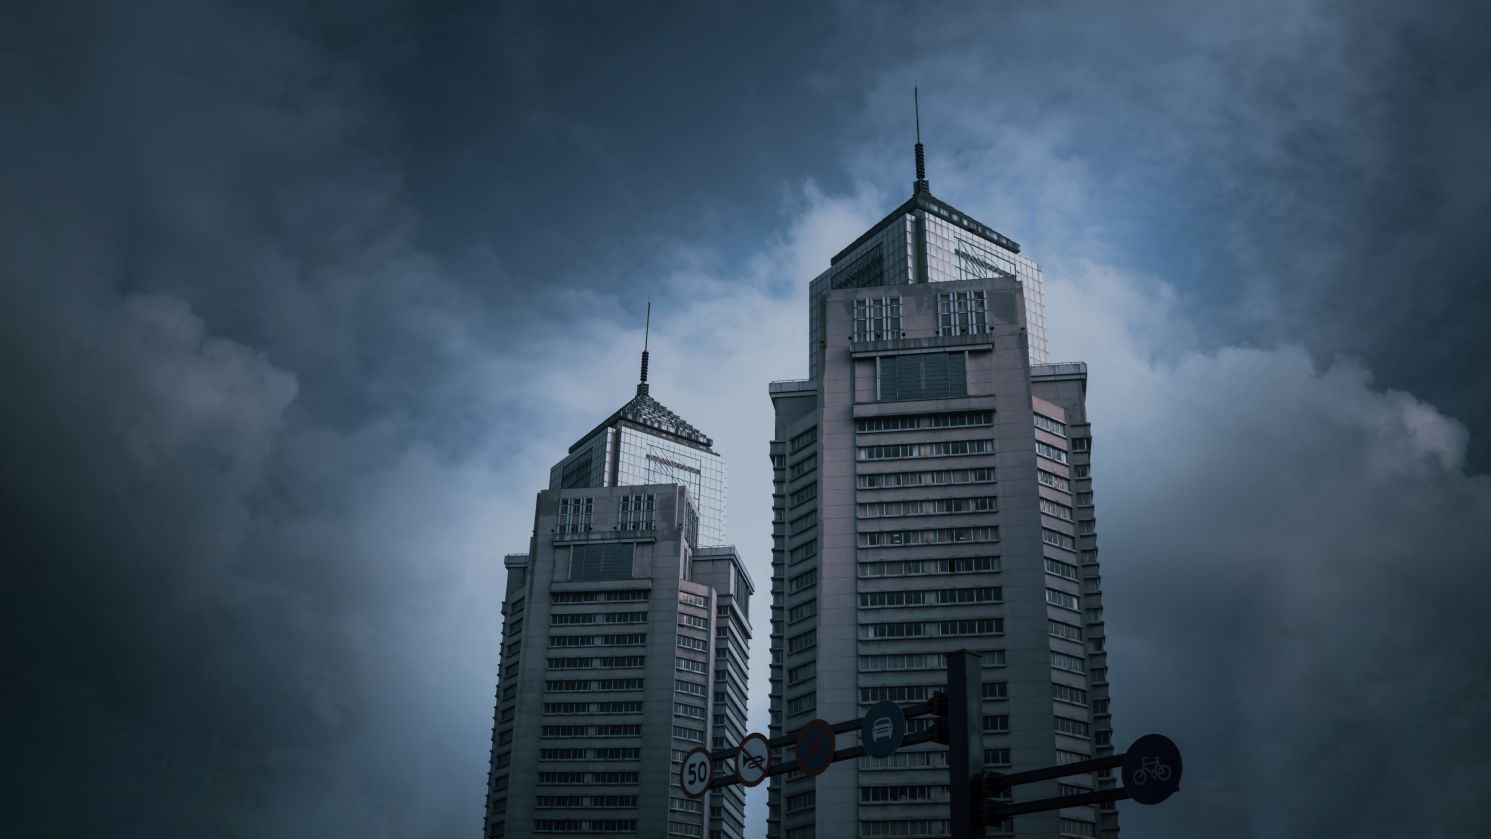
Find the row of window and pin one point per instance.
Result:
(891, 480)
(909, 422)
(588, 663)
(1051, 508)
(1057, 538)
(624, 596)
(946, 448)
(1050, 452)
(919, 629)
(940, 597)
(920, 661)
(575, 618)
(928, 507)
(922, 567)
(803, 467)
(635, 639)
(585, 826)
(566, 778)
(807, 493)
(804, 580)
(544, 802)
(608, 753)
(877, 318)
(938, 536)
(601, 562)
(574, 685)
(1061, 569)
(631, 707)
(1056, 597)
(615, 730)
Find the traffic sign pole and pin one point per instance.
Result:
(965, 740)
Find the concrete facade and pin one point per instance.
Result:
(925, 501)
(624, 646)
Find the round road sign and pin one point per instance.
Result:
(1151, 769)
(693, 773)
(815, 747)
(752, 760)
(882, 729)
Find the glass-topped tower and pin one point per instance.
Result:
(625, 635)
(932, 492)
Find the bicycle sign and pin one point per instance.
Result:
(693, 773)
(752, 760)
(1151, 769)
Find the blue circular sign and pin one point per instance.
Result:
(1151, 769)
(815, 747)
(882, 729)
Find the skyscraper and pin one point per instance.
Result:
(624, 640)
(932, 492)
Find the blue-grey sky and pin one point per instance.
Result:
(299, 302)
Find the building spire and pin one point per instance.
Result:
(921, 184)
(646, 333)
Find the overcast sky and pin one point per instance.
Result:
(299, 303)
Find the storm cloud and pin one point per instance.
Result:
(298, 304)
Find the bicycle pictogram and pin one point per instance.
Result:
(1151, 767)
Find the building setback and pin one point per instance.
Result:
(624, 640)
(932, 492)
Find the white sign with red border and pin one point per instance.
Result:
(752, 760)
(693, 773)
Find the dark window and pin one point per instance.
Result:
(923, 376)
(601, 562)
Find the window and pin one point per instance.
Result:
(1081, 444)
(1084, 499)
(996, 723)
(803, 467)
(801, 801)
(695, 621)
(905, 422)
(962, 313)
(935, 506)
(636, 512)
(899, 629)
(890, 480)
(1076, 728)
(692, 735)
(996, 757)
(802, 642)
(922, 376)
(919, 567)
(683, 709)
(972, 626)
(1082, 470)
(601, 562)
(803, 440)
(1046, 423)
(1072, 827)
(1057, 538)
(996, 690)
(1051, 508)
(689, 665)
(902, 661)
(807, 493)
(806, 550)
(575, 514)
(1056, 597)
(1052, 480)
(801, 581)
(626, 617)
(893, 538)
(803, 522)
(1069, 663)
(802, 704)
(691, 599)
(1061, 569)
(802, 672)
(690, 688)
(1069, 694)
(877, 318)
(802, 611)
(1050, 452)
(689, 642)
(1065, 630)
(949, 448)
(564, 619)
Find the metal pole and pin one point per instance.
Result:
(965, 741)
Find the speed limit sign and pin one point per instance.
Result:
(693, 773)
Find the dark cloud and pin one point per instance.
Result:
(297, 303)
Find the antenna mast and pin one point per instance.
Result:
(921, 184)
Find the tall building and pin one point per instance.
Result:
(932, 493)
(624, 640)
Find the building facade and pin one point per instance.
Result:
(624, 641)
(932, 493)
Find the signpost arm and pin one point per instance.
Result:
(1003, 810)
(965, 753)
